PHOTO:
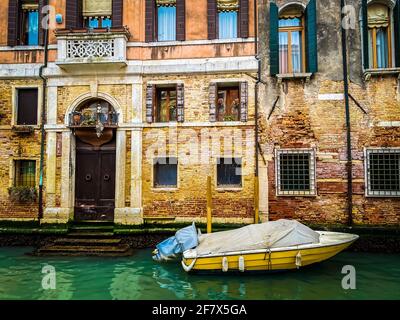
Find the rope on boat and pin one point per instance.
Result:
(189, 267)
(269, 261)
(298, 260)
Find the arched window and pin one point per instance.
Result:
(291, 40)
(379, 36)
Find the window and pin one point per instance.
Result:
(383, 172)
(29, 23)
(228, 103)
(27, 106)
(379, 36)
(295, 172)
(228, 19)
(25, 173)
(97, 13)
(165, 104)
(291, 41)
(229, 172)
(166, 20)
(165, 172)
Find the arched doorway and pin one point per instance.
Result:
(94, 123)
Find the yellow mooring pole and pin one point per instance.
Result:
(256, 198)
(209, 205)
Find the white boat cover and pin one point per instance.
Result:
(274, 234)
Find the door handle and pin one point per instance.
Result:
(88, 177)
(107, 177)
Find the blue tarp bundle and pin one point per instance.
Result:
(183, 240)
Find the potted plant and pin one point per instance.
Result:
(24, 194)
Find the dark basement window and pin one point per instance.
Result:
(229, 172)
(165, 172)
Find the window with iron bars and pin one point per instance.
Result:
(295, 172)
(25, 173)
(383, 172)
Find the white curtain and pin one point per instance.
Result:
(166, 23)
(283, 52)
(227, 24)
(296, 51)
(382, 48)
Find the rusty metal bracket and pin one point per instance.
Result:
(273, 107)
(357, 104)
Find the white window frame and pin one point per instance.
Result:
(164, 189)
(14, 103)
(367, 178)
(313, 172)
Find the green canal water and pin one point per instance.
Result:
(138, 277)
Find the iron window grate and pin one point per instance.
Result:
(295, 172)
(383, 172)
(25, 173)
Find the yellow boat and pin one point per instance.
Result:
(274, 259)
(271, 246)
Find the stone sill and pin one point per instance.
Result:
(368, 73)
(311, 195)
(229, 189)
(164, 189)
(294, 76)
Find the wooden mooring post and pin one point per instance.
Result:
(209, 205)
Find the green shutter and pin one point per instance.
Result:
(364, 31)
(311, 37)
(273, 38)
(396, 16)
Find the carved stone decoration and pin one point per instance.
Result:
(100, 48)
(90, 136)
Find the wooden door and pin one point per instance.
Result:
(95, 182)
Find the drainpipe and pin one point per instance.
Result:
(256, 51)
(43, 118)
(348, 123)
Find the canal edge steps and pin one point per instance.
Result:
(87, 239)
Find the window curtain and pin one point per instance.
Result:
(296, 51)
(166, 23)
(283, 52)
(382, 48)
(227, 24)
(33, 28)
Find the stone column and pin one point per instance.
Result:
(120, 170)
(136, 170)
(263, 185)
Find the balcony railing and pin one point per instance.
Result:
(92, 46)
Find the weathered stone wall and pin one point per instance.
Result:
(303, 120)
(15, 146)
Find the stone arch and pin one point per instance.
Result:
(88, 96)
(300, 4)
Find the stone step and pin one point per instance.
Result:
(122, 249)
(87, 241)
(89, 234)
(85, 228)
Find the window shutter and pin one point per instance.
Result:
(150, 92)
(244, 18)
(273, 39)
(311, 37)
(42, 3)
(27, 106)
(73, 14)
(213, 100)
(13, 13)
(364, 31)
(244, 93)
(396, 16)
(212, 19)
(150, 14)
(180, 20)
(180, 102)
(117, 13)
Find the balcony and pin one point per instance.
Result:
(91, 48)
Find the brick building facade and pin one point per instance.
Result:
(146, 99)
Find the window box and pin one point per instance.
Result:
(23, 129)
(22, 194)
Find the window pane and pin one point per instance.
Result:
(33, 28)
(25, 172)
(106, 23)
(165, 172)
(296, 51)
(93, 22)
(172, 105)
(229, 172)
(283, 52)
(295, 22)
(295, 172)
(227, 25)
(382, 48)
(166, 105)
(27, 107)
(166, 23)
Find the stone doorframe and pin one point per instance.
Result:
(64, 213)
